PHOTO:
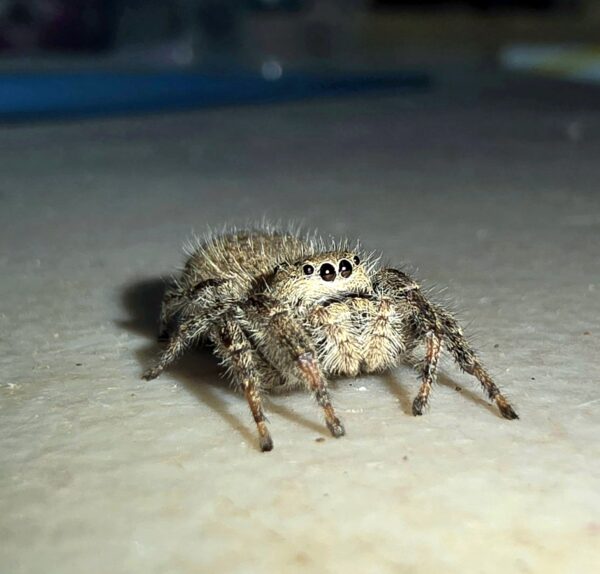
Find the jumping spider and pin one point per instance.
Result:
(283, 311)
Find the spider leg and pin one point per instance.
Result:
(203, 295)
(238, 355)
(467, 360)
(433, 347)
(278, 333)
(167, 311)
(427, 319)
(187, 332)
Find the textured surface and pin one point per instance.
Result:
(494, 197)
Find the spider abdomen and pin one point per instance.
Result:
(242, 256)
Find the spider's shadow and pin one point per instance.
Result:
(197, 370)
(200, 373)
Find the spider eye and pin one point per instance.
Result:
(345, 268)
(308, 269)
(356, 259)
(327, 272)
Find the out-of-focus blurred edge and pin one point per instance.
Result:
(569, 62)
(27, 97)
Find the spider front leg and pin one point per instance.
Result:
(237, 353)
(283, 339)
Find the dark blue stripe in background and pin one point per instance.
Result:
(64, 95)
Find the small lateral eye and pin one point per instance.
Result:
(308, 269)
(345, 268)
(356, 259)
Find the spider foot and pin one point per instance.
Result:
(152, 373)
(506, 410)
(163, 336)
(418, 406)
(336, 428)
(266, 443)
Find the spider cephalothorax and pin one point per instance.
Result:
(284, 311)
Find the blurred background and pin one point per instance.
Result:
(467, 149)
(186, 53)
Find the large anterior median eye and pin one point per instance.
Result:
(327, 272)
(345, 268)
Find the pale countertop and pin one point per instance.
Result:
(495, 197)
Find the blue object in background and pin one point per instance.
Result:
(26, 97)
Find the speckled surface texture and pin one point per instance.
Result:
(495, 197)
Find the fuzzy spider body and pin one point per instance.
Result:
(284, 311)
